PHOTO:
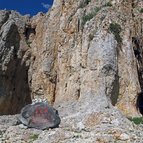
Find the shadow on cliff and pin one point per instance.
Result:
(14, 87)
(139, 102)
(138, 52)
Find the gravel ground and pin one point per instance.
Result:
(108, 129)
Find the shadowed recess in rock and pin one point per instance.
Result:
(14, 86)
(139, 102)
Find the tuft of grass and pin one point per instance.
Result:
(108, 4)
(141, 10)
(34, 137)
(137, 120)
(91, 36)
(90, 15)
(70, 19)
(116, 30)
(84, 3)
(28, 43)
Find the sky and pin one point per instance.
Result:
(31, 7)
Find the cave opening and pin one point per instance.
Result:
(139, 102)
(29, 31)
(15, 90)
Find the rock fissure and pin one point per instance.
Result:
(137, 47)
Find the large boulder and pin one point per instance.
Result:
(40, 116)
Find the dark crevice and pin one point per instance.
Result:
(78, 93)
(115, 91)
(112, 89)
(139, 102)
(14, 87)
(55, 87)
(28, 31)
(138, 52)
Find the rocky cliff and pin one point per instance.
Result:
(14, 63)
(85, 57)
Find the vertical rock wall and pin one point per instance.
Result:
(83, 60)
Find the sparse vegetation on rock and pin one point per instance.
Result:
(115, 28)
(34, 137)
(141, 10)
(137, 120)
(28, 43)
(93, 13)
(89, 16)
(108, 4)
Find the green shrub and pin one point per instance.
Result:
(70, 19)
(28, 43)
(141, 10)
(91, 36)
(137, 120)
(108, 4)
(34, 137)
(116, 30)
(89, 16)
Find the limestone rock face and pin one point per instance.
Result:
(86, 54)
(79, 52)
(84, 57)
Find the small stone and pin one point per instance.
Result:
(124, 136)
(22, 126)
(80, 126)
(117, 134)
(105, 120)
(115, 122)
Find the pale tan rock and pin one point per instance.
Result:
(75, 65)
(124, 136)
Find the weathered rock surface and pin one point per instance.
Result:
(82, 57)
(14, 56)
(87, 60)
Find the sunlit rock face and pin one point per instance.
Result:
(85, 58)
(84, 55)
